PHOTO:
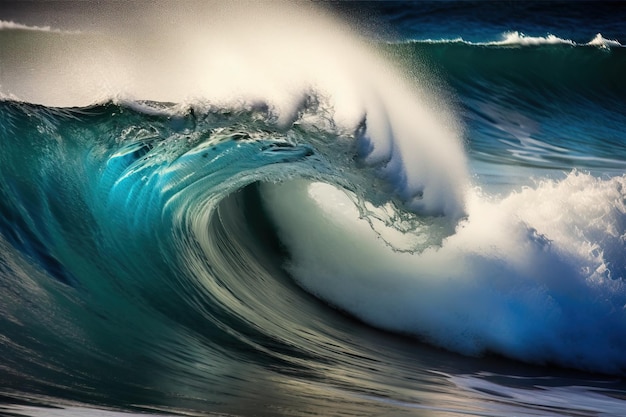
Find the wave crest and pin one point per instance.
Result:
(515, 38)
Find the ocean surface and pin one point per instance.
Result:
(312, 209)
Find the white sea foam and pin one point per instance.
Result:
(517, 38)
(537, 276)
(602, 42)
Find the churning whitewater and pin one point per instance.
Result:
(261, 200)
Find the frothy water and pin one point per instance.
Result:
(537, 275)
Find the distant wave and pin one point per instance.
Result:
(11, 25)
(515, 38)
(528, 72)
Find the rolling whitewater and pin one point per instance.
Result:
(290, 209)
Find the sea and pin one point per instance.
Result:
(324, 208)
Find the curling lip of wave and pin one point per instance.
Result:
(397, 124)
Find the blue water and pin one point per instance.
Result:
(355, 208)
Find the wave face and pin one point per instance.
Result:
(281, 217)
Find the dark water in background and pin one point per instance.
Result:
(250, 210)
